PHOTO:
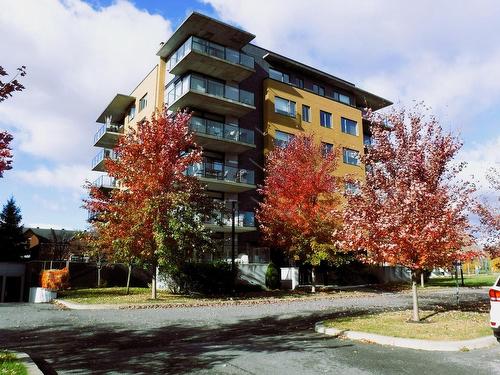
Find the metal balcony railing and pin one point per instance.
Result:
(221, 130)
(222, 172)
(197, 83)
(105, 181)
(105, 128)
(105, 153)
(211, 49)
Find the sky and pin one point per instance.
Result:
(79, 54)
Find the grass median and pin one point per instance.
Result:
(11, 365)
(435, 325)
(469, 280)
(142, 296)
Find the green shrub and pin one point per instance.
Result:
(204, 278)
(273, 278)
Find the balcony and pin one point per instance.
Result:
(212, 59)
(244, 221)
(107, 135)
(98, 161)
(208, 95)
(224, 178)
(105, 182)
(217, 136)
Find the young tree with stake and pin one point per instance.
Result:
(411, 211)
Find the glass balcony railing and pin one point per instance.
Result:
(211, 49)
(241, 219)
(221, 130)
(196, 83)
(105, 153)
(222, 172)
(105, 181)
(113, 128)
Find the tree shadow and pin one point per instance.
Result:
(172, 349)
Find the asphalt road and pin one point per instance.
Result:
(262, 339)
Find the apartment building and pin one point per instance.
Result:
(244, 100)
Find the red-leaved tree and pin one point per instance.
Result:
(5, 152)
(6, 90)
(411, 211)
(301, 209)
(489, 214)
(157, 214)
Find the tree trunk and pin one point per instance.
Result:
(422, 284)
(128, 277)
(98, 277)
(153, 283)
(415, 315)
(313, 279)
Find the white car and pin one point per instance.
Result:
(495, 309)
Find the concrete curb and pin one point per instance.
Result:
(430, 345)
(26, 360)
(79, 306)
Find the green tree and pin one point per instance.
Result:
(12, 241)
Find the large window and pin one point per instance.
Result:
(281, 139)
(349, 126)
(279, 76)
(321, 91)
(284, 106)
(306, 113)
(131, 113)
(325, 119)
(143, 102)
(350, 156)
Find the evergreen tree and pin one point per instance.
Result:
(12, 241)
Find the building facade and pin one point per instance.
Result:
(244, 100)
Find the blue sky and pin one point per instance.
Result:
(79, 54)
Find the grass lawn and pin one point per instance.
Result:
(436, 325)
(142, 296)
(10, 365)
(472, 280)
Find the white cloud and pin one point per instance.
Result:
(444, 53)
(62, 177)
(77, 58)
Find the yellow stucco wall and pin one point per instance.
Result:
(275, 121)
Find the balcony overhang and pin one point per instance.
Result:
(228, 228)
(99, 167)
(226, 186)
(211, 103)
(208, 28)
(117, 108)
(212, 66)
(363, 98)
(211, 142)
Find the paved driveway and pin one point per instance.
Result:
(263, 339)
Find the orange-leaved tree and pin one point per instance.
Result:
(5, 152)
(489, 214)
(158, 212)
(411, 211)
(301, 209)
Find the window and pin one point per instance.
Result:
(344, 99)
(352, 188)
(367, 140)
(326, 148)
(316, 88)
(131, 113)
(350, 156)
(281, 139)
(300, 82)
(321, 90)
(143, 102)
(279, 76)
(325, 119)
(284, 106)
(349, 126)
(306, 113)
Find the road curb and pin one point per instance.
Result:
(79, 306)
(418, 344)
(26, 360)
